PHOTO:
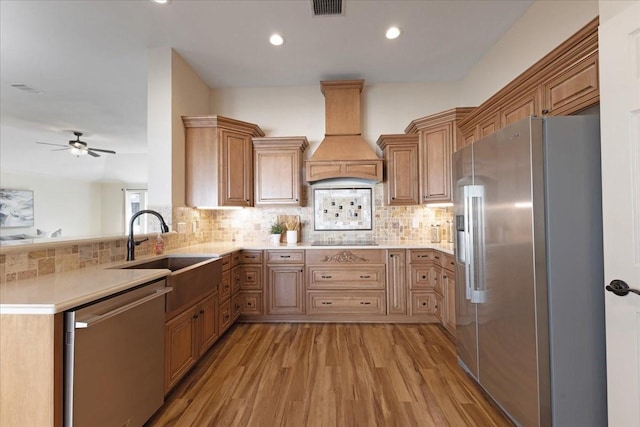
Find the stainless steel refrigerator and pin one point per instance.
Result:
(529, 270)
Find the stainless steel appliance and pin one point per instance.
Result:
(114, 359)
(529, 270)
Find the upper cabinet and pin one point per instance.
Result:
(219, 161)
(563, 82)
(438, 137)
(402, 164)
(278, 170)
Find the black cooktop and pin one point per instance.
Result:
(344, 243)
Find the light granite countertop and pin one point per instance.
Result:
(55, 293)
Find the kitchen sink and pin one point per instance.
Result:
(191, 278)
(170, 262)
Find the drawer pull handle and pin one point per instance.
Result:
(424, 277)
(365, 277)
(326, 303)
(365, 302)
(250, 256)
(424, 304)
(285, 256)
(326, 277)
(423, 256)
(437, 257)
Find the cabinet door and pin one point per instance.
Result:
(277, 177)
(396, 282)
(251, 303)
(449, 317)
(235, 279)
(403, 185)
(181, 349)
(285, 289)
(207, 322)
(573, 88)
(224, 317)
(251, 277)
(436, 147)
(488, 126)
(236, 169)
(524, 106)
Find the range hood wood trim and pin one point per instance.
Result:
(364, 169)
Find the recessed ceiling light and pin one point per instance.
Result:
(393, 33)
(276, 39)
(161, 1)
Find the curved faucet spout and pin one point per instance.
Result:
(131, 243)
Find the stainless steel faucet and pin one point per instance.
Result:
(131, 244)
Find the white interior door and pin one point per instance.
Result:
(619, 44)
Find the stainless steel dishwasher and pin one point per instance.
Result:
(114, 359)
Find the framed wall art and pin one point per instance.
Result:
(16, 208)
(342, 209)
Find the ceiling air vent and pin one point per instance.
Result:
(327, 7)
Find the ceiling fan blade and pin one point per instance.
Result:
(102, 151)
(60, 149)
(91, 153)
(48, 143)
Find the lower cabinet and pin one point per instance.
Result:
(225, 318)
(187, 336)
(425, 303)
(449, 287)
(285, 289)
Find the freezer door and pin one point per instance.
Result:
(466, 318)
(507, 345)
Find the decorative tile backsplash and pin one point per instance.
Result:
(193, 226)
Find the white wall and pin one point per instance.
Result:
(543, 27)
(72, 205)
(299, 110)
(190, 96)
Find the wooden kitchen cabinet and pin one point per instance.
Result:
(346, 282)
(449, 288)
(563, 82)
(278, 170)
(438, 139)
(219, 161)
(250, 298)
(285, 281)
(425, 298)
(402, 163)
(188, 336)
(396, 281)
(285, 289)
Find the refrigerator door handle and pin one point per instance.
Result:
(468, 246)
(474, 212)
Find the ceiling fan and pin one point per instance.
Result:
(79, 148)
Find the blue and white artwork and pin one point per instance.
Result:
(16, 208)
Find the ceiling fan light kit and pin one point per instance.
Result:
(79, 148)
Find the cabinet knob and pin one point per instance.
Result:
(393, 198)
(545, 111)
(296, 200)
(201, 311)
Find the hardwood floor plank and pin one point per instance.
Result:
(302, 375)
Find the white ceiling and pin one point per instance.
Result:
(88, 58)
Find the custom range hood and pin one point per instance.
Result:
(343, 153)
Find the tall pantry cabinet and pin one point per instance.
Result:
(219, 161)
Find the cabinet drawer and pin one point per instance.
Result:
(235, 258)
(345, 256)
(226, 262)
(236, 306)
(251, 277)
(250, 303)
(290, 256)
(251, 257)
(224, 292)
(225, 316)
(358, 302)
(235, 280)
(448, 262)
(424, 303)
(422, 256)
(422, 277)
(345, 277)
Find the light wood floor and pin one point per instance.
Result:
(329, 375)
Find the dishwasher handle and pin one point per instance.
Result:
(116, 311)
